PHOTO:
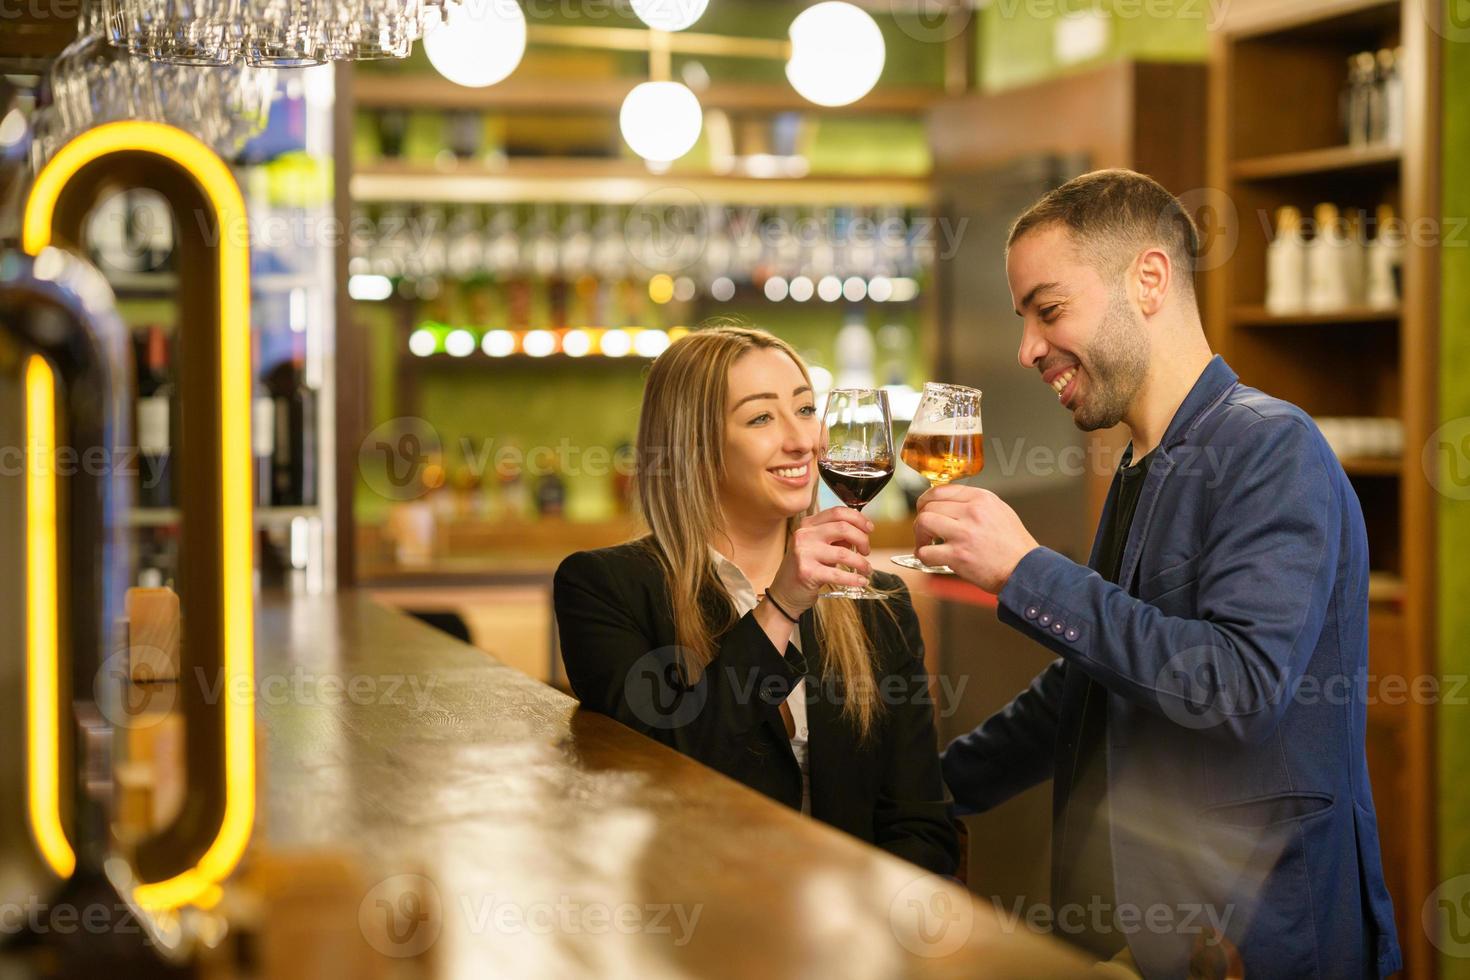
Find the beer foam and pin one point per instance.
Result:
(965, 426)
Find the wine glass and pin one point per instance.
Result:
(944, 443)
(856, 458)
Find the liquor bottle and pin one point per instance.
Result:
(1390, 81)
(294, 464)
(1327, 287)
(1385, 261)
(262, 428)
(155, 422)
(1286, 268)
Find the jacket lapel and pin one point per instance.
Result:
(1213, 384)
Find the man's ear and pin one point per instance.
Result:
(1154, 275)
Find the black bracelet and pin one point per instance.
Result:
(779, 609)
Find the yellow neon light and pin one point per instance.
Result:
(237, 519)
(43, 726)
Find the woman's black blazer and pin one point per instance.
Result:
(617, 639)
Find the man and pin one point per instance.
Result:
(1204, 720)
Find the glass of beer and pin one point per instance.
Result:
(856, 458)
(944, 443)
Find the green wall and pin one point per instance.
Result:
(1454, 515)
(1016, 37)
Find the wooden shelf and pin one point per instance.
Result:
(1389, 466)
(1259, 316)
(594, 181)
(1385, 587)
(264, 516)
(385, 90)
(1335, 159)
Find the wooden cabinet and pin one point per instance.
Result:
(1278, 73)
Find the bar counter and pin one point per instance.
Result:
(559, 842)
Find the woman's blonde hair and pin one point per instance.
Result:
(681, 435)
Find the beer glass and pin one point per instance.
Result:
(856, 457)
(944, 443)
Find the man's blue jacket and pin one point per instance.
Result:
(1235, 667)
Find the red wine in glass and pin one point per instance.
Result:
(856, 460)
(856, 482)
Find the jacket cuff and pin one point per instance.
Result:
(748, 652)
(1033, 601)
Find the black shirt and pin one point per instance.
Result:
(1081, 851)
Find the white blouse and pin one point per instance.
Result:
(742, 593)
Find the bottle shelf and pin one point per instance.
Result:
(609, 181)
(1259, 316)
(264, 516)
(1330, 160)
(419, 91)
(160, 285)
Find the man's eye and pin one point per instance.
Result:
(1049, 313)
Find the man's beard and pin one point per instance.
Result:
(1116, 364)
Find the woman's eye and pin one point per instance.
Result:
(760, 419)
(807, 411)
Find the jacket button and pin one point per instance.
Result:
(1072, 633)
(1044, 619)
(1057, 627)
(1031, 612)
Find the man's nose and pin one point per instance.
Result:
(1033, 346)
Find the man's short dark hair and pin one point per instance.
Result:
(1113, 215)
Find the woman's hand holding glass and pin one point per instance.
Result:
(828, 549)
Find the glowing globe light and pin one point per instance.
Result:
(477, 44)
(837, 53)
(722, 289)
(576, 343)
(661, 121)
(459, 343)
(776, 289)
(651, 343)
(421, 343)
(830, 289)
(802, 289)
(499, 343)
(880, 290)
(616, 343)
(669, 15)
(854, 289)
(539, 343)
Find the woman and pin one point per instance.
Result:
(707, 633)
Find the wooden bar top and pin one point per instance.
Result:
(558, 842)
